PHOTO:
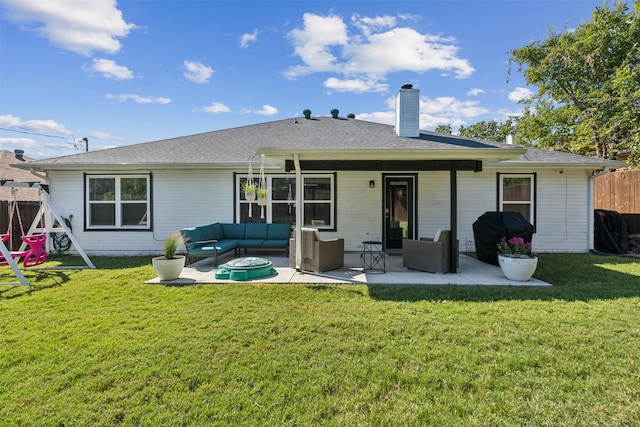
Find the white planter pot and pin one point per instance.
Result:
(518, 268)
(168, 269)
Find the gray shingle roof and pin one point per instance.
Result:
(240, 144)
(8, 172)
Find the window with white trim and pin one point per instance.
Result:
(118, 201)
(318, 199)
(517, 194)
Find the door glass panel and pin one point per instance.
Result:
(399, 194)
(399, 213)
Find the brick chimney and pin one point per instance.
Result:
(408, 112)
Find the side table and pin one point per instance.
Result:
(373, 257)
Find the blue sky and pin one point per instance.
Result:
(133, 71)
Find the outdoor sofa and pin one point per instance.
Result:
(215, 239)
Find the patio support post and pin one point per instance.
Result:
(453, 249)
(298, 232)
(590, 213)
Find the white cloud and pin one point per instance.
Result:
(216, 107)
(36, 126)
(368, 25)
(354, 85)
(139, 99)
(110, 70)
(267, 110)
(245, 39)
(313, 44)
(98, 134)
(475, 92)
(81, 26)
(9, 121)
(197, 72)
(18, 142)
(433, 112)
(385, 117)
(327, 44)
(520, 93)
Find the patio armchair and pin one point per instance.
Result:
(428, 254)
(317, 255)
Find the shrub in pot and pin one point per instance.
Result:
(168, 266)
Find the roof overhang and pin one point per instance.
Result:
(470, 159)
(594, 164)
(387, 154)
(99, 167)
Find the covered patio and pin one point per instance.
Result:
(470, 272)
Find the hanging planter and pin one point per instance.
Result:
(249, 188)
(262, 196)
(261, 192)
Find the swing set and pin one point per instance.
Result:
(35, 246)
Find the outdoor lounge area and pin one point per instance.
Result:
(471, 271)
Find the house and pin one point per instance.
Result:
(351, 178)
(8, 160)
(18, 204)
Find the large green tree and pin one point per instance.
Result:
(491, 130)
(588, 86)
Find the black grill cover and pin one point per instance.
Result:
(610, 233)
(491, 227)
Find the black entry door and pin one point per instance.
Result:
(399, 210)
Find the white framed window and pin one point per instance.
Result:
(517, 193)
(118, 202)
(318, 199)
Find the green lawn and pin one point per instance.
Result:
(99, 347)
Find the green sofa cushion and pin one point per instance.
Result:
(226, 245)
(284, 243)
(255, 231)
(217, 231)
(192, 235)
(250, 243)
(279, 232)
(208, 232)
(233, 231)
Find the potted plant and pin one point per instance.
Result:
(516, 260)
(262, 196)
(168, 266)
(249, 189)
(262, 199)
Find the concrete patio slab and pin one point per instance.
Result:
(470, 272)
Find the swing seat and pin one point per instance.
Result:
(34, 255)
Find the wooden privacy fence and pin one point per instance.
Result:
(618, 191)
(28, 211)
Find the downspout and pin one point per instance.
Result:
(591, 219)
(298, 232)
